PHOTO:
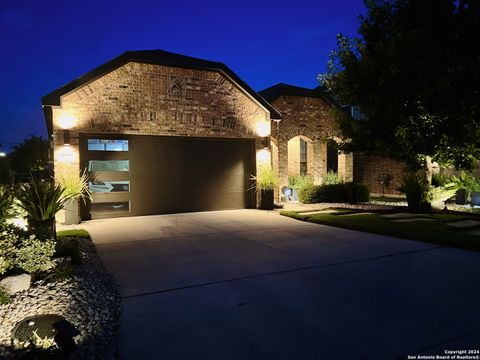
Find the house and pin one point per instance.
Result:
(166, 133)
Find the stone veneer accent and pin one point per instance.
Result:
(148, 99)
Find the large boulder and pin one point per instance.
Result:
(14, 284)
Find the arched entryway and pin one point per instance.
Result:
(332, 156)
(300, 155)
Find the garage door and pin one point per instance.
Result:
(145, 175)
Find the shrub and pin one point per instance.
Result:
(68, 247)
(35, 255)
(331, 178)
(417, 190)
(357, 192)
(298, 181)
(78, 233)
(334, 193)
(308, 194)
(4, 296)
(440, 179)
(6, 204)
(8, 250)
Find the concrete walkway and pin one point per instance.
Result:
(248, 284)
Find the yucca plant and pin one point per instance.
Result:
(417, 190)
(41, 200)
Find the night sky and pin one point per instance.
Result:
(47, 43)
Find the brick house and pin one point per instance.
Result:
(165, 133)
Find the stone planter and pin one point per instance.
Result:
(266, 201)
(475, 198)
(72, 212)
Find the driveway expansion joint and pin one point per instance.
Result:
(280, 272)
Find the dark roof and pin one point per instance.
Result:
(159, 57)
(274, 92)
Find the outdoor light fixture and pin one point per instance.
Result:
(66, 137)
(2, 154)
(66, 121)
(66, 154)
(263, 128)
(263, 156)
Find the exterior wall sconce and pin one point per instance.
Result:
(66, 137)
(263, 128)
(266, 142)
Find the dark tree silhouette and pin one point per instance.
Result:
(29, 156)
(414, 72)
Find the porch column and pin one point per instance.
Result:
(318, 167)
(282, 162)
(345, 166)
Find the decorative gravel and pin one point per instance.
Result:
(89, 300)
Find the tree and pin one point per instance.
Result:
(31, 155)
(413, 72)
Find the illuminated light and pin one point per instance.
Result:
(2, 154)
(19, 222)
(66, 121)
(263, 156)
(66, 154)
(263, 128)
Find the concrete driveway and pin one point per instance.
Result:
(247, 284)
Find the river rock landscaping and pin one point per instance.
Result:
(87, 298)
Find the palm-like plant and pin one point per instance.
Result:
(41, 200)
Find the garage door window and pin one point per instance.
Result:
(111, 207)
(108, 165)
(107, 145)
(105, 186)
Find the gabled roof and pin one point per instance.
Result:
(158, 57)
(274, 92)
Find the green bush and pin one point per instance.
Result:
(76, 233)
(357, 192)
(334, 193)
(68, 247)
(417, 190)
(21, 252)
(6, 204)
(298, 181)
(331, 178)
(35, 255)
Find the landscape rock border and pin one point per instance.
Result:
(89, 300)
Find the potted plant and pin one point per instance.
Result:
(76, 188)
(474, 188)
(266, 181)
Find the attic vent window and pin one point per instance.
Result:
(176, 90)
(229, 123)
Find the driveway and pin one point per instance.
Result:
(247, 284)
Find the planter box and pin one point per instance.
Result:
(475, 198)
(72, 212)
(266, 201)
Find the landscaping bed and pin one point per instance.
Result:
(86, 296)
(455, 230)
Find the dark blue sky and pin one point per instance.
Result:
(48, 43)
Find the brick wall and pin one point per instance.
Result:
(148, 99)
(368, 170)
(311, 118)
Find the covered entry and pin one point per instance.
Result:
(145, 175)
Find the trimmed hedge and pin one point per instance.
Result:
(335, 193)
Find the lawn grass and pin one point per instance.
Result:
(80, 233)
(434, 232)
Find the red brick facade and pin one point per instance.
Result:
(370, 170)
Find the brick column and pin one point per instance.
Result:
(282, 162)
(318, 168)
